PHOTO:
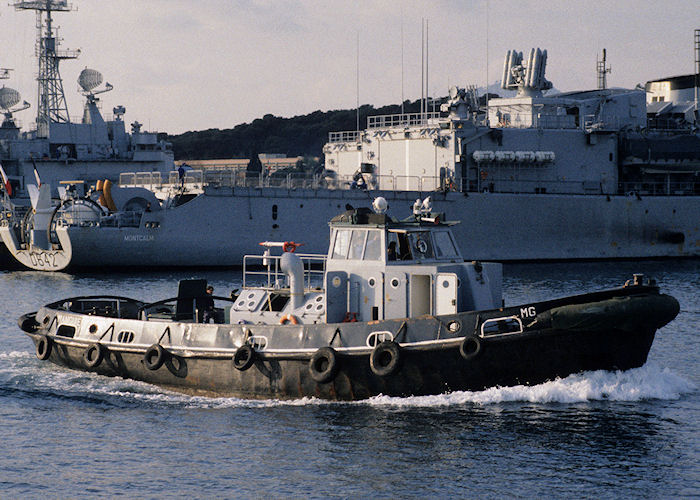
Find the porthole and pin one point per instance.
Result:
(454, 326)
(251, 295)
(336, 281)
(319, 307)
(445, 284)
(394, 282)
(93, 329)
(309, 306)
(371, 282)
(319, 298)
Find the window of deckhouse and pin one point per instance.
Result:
(357, 244)
(444, 247)
(373, 251)
(342, 242)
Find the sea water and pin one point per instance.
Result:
(600, 434)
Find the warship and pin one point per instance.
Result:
(58, 149)
(392, 308)
(607, 173)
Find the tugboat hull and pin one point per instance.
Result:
(467, 351)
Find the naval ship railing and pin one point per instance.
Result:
(265, 272)
(659, 188)
(486, 182)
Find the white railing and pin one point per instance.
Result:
(401, 120)
(272, 276)
(196, 179)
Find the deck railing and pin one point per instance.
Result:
(264, 271)
(225, 178)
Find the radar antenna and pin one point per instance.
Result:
(51, 100)
(8, 99)
(89, 80)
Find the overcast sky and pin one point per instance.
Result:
(181, 65)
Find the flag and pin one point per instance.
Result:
(6, 181)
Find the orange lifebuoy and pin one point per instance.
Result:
(290, 246)
(289, 317)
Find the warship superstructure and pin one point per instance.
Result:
(599, 174)
(57, 149)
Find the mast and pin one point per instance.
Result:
(697, 69)
(51, 99)
(602, 69)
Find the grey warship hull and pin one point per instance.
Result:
(501, 226)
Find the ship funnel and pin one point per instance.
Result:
(291, 264)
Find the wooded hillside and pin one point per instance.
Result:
(297, 136)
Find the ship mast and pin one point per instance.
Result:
(51, 100)
(697, 70)
(602, 70)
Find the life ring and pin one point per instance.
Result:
(290, 246)
(154, 357)
(43, 347)
(470, 347)
(484, 175)
(323, 366)
(289, 318)
(94, 355)
(385, 358)
(244, 357)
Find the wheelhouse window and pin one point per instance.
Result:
(342, 242)
(357, 244)
(421, 245)
(444, 246)
(373, 250)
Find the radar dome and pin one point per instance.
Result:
(9, 97)
(380, 205)
(89, 79)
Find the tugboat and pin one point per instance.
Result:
(392, 308)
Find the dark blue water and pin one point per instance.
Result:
(599, 434)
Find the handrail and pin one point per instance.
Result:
(273, 274)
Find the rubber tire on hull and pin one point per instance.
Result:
(323, 365)
(154, 357)
(385, 358)
(94, 355)
(244, 357)
(43, 347)
(470, 347)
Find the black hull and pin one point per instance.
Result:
(528, 359)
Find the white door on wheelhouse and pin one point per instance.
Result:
(445, 293)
